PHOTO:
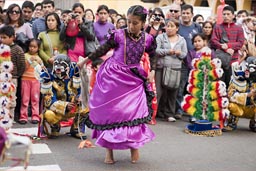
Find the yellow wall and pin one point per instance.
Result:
(121, 6)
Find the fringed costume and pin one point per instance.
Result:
(60, 88)
(241, 105)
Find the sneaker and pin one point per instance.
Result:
(192, 119)
(171, 119)
(177, 116)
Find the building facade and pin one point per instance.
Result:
(122, 5)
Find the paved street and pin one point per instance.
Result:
(171, 150)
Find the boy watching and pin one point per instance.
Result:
(7, 36)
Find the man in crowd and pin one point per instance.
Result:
(27, 11)
(235, 40)
(39, 24)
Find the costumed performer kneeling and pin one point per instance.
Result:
(241, 94)
(61, 91)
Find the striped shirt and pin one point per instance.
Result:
(235, 36)
(18, 60)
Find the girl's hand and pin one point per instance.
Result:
(151, 76)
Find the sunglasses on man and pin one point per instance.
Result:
(175, 11)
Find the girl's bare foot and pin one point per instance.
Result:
(134, 155)
(109, 159)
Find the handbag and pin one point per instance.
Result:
(224, 57)
(171, 78)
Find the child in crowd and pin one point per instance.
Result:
(7, 35)
(199, 41)
(30, 91)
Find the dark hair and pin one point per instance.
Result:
(88, 9)
(112, 11)
(48, 2)
(243, 11)
(138, 10)
(111, 19)
(206, 22)
(176, 22)
(229, 8)
(28, 4)
(157, 10)
(8, 19)
(76, 5)
(187, 6)
(199, 35)
(196, 17)
(103, 7)
(65, 12)
(38, 42)
(96, 62)
(7, 30)
(56, 16)
(39, 4)
(125, 20)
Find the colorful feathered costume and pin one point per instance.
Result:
(60, 89)
(206, 100)
(241, 106)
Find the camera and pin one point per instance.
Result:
(73, 16)
(157, 18)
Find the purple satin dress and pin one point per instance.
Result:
(119, 96)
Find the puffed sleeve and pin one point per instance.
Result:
(103, 49)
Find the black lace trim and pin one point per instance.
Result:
(149, 94)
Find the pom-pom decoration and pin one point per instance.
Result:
(7, 87)
(206, 92)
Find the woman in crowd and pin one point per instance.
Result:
(156, 22)
(89, 15)
(50, 42)
(22, 30)
(76, 44)
(121, 23)
(102, 26)
(171, 49)
(121, 83)
(207, 30)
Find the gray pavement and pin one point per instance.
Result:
(172, 150)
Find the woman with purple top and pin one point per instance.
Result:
(121, 98)
(102, 26)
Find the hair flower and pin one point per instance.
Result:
(145, 11)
